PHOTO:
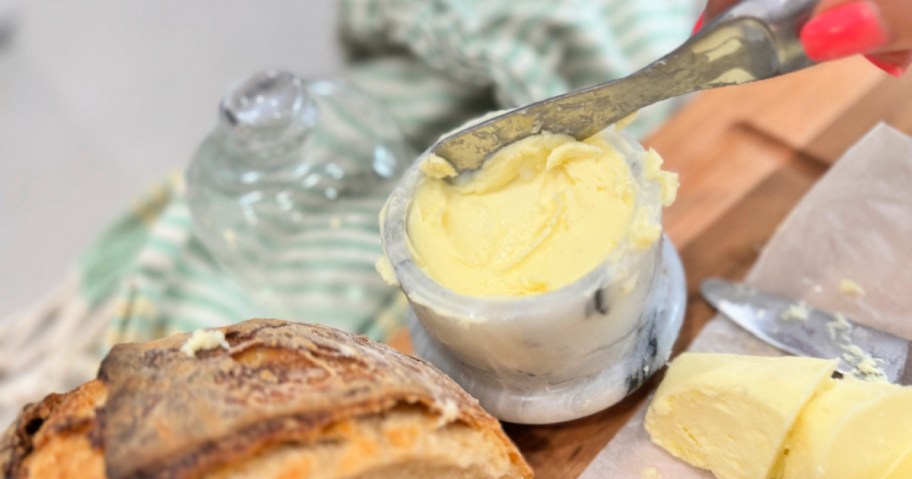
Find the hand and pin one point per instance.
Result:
(881, 30)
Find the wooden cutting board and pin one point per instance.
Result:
(746, 155)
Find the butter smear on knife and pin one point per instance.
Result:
(748, 417)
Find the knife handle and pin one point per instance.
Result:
(784, 20)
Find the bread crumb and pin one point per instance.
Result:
(203, 339)
(850, 288)
(650, 472)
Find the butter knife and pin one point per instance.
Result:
(796, 328)
(753, 40)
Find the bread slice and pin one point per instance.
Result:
(283, 400)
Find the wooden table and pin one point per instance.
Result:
(745, 156)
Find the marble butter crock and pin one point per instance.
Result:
(559, 355)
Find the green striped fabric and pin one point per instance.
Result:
(437, 63)
(434, 64)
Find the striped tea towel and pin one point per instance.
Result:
(434, 64)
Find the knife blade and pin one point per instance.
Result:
(796, 328)
(753, 40)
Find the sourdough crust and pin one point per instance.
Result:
(169, 415)
(155, 412)
(56, 416)
(17, 441)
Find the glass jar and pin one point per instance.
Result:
(285, 194)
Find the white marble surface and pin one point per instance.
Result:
(99, 99)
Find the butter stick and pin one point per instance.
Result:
(750, 417)
(853, 429)
(732, 414)
(902, 467)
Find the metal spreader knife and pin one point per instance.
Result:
(753, 40)
(798, 329)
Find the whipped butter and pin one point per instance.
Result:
(537, 216)
(750, 417)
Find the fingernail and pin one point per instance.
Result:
(892, 69)
(698, 25)
(842, 31)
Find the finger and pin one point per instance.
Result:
(844, 29)
(894, 63)
(896, 16)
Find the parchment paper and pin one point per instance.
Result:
(856, 224)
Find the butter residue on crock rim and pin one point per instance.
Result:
(654, 188)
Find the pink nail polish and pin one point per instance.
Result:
(698, 25)
(842, 31)
(892, 69)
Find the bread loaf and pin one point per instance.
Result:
(279, 400)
